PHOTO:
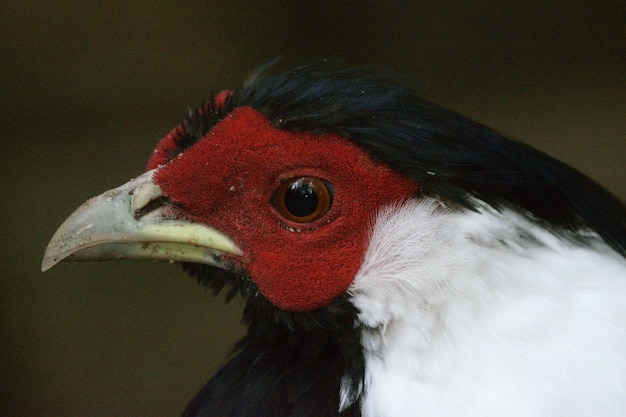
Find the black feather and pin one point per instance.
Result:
(289, 364)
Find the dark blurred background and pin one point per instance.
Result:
(87, 88)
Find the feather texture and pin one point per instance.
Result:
(487, 314)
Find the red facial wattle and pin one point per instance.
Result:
(230, 178)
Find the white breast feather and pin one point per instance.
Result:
(487, 314)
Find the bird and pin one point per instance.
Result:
(396, 258)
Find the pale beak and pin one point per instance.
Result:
(128, 222)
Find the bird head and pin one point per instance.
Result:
(280, 180)
(289, 210)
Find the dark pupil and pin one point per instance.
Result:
(301, 199)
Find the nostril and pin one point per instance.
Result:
(146, 198)
(152, 205)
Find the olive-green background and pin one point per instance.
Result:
(87, 88)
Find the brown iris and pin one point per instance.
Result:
(303, 200)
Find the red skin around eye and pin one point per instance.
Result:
(227, 179)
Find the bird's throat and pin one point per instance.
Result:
(289, 364)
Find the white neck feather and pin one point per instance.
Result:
(488, 314)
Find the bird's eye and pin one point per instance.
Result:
(303, 200)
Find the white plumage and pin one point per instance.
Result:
(488, 314)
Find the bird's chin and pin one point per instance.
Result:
(223, 275)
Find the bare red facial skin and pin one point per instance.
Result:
(227, 179)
